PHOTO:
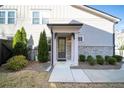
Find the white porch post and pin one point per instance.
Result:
(72, 49)
(75, 49)
(54, 49)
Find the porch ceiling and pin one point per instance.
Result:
(65, 28)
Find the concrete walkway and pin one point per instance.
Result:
(63, 73)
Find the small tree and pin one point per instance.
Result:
(20, 49)
(121, 49)
(20, 43)
(40, 47)
(24, 40)
(17, 38)
(24, 36)
(43, 48)
(121, 46)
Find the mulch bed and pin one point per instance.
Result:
(85, 65)
(89, 85)
(37, 66)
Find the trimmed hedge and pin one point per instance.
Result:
(91, 60)
(82, 58)
(99, 59)
(106, 59)
(16, 63)
(111, 60)
(118, 58)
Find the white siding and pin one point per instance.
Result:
(97, 30)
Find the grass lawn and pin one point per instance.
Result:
(24, 79)
(35, 76)
(28, 77)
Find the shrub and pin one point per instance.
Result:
(118, 58)
(20, 43)
(111, 60)
(82, 58)
(16, 63)
(106, 59)
(16, 38)
(43, 48)
(24, 36)
(99, 60)
(91, 60)
(20, 49)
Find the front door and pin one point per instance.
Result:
(62, 48)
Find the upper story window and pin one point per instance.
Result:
(40, 16)
(7, 16)
(2, 17)
(11, 17)
(35, 17)
(45, 20)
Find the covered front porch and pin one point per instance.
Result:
(64, 43)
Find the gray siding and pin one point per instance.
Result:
(95, 37)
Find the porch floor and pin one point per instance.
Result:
(63, 73)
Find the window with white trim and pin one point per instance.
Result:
(11, 17)
(35, 17)
(40, 16)
(81, 38)
(7, 16)
(2, 17)
(45, 20)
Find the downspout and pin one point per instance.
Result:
(114, 38)
(0, 52)
(52, 46)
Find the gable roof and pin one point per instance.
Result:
(98, 13)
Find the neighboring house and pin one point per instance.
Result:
(119, 38)
(75, 29)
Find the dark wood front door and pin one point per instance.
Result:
(61, 48)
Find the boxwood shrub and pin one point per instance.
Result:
(106, 59)
(99, 59)
(118, 58)
(90, 60)
(16, 63)
(82, 58)
(111, 60)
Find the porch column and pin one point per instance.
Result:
(54, 49)
(72, 49)
(75, 49)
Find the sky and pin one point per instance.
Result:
(115, 10)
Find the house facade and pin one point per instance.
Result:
(73, 30)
